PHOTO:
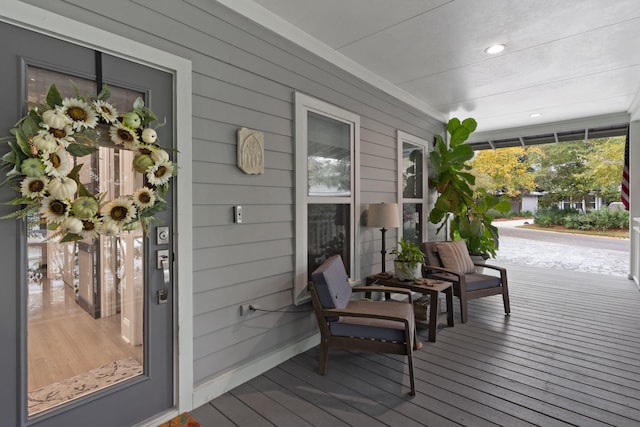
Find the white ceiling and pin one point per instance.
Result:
(564, 59)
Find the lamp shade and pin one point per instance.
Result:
(384, 215)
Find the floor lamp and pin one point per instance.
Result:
(383, 215)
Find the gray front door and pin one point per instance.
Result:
(86, 339)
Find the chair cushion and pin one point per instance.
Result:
(431, 251)
(476, 281)
(380, 329)
(455, 256)
(331, 283)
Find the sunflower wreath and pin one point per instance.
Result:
(42, 171)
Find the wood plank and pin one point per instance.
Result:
(567, 355)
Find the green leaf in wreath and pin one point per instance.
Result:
(157, 207)
(54, 97)
(80, 150)
(30, 126)
(22, 143)
(20, 201)
(83, 192)
(104, 94)
(22, 213)
(71, 237)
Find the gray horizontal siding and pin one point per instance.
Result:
(246, 76)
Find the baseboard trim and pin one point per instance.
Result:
(240, 375)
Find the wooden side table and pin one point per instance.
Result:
(430, 287)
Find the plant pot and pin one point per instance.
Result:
(404, 272)
(479, 259)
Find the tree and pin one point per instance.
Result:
(605, 159)
(507, 171)
(576, 169)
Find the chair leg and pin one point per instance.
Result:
(412, 380)
(505, 299)
(463, 310)
(322, 367)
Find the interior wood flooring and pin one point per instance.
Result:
(64, 341)
(568, 355)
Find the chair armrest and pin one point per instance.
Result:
(502, 270)
(443, 270)
(334, 312)
(386, 289)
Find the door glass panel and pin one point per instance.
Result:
(85, 298)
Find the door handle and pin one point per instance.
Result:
(163, 263)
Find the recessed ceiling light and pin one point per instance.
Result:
(496, 48)
(534, 115)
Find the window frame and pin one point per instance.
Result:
(303, 105)
(403, 137)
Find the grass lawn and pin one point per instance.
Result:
(617, 233)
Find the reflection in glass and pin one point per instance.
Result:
(329, 233)
(411, 222)
(329, 156)
(85, 299)
(412, 169)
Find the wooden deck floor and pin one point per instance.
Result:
(569, 354)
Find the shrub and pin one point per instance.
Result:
(546, 217)
(600, 219)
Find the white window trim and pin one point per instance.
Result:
(303, 104)
(407, 137)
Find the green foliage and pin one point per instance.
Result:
(576, 169)
(546, 217)
(597, 219)
(409, 253)
(471, 213)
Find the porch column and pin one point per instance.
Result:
(634, 199)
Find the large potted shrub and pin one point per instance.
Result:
(409, 259)
(468, 213)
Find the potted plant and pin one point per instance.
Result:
(468, 213)
(409, 259)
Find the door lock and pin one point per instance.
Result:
(162, 235)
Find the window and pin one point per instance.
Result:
(327, 159)
(412, 175)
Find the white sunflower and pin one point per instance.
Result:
(54, 210)
(80, 113)
(144, 198)
(120, 211)
(34, 187)
(122, 135)
(90, 228)
(109, 228)
(45, 142)
(71, 225)
(160, 173)
(57, 163)
(62, 136)
(106, 111)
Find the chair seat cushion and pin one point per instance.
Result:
(380, 329)
(474, 281)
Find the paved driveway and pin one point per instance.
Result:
(558, 250)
